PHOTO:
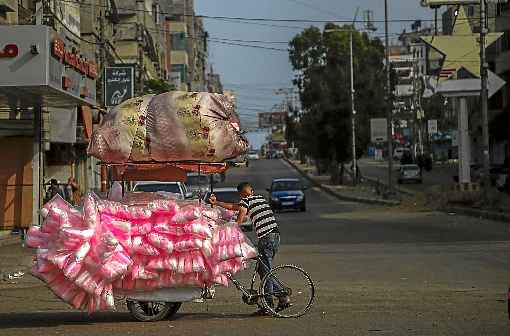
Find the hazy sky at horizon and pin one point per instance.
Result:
(254, 74)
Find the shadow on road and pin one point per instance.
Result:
(30, 320)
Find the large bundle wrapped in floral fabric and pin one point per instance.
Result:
(174, 126)
(85, 255)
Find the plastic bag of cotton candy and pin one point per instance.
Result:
(84, 255)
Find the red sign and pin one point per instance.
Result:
(66, 82)
(9, 51)
(71, 58)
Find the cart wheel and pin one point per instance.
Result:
(152, 311)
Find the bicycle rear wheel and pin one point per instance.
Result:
(292, 282)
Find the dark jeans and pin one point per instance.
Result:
(268, 246)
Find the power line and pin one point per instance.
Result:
(248, 45)
(316, 8)
(256, 19)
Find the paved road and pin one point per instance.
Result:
(378, 271)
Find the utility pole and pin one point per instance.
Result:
(353, 106)
(484, 95)
(102, 44)
(353, 93)
(102, 63)
(389, 105)
(140, 34)
(353, 116)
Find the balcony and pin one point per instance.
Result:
(8, 5)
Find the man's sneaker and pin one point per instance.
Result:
(261, 312)
(284, 303)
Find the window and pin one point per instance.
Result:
(182, 69)
(165, 187)
(286, 185)
(470, 11)
(178, 41)
(155, 13)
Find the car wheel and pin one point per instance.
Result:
(303, 208)
(399, 181)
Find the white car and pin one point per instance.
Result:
(253, 155)
(177, 188)
(199, 183)
(229, 195)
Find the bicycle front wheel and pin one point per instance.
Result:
(287, 283)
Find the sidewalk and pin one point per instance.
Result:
(440, 178)
(362, 193)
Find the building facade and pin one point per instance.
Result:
(70, 43)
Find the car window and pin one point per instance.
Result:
(155, 187)
(286, 185)
(224, 196)
(408, 168)
(197, 180)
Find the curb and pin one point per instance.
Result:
(331, 192)
(484, 214)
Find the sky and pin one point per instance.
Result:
(254, 74)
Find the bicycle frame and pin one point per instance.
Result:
(249, 292)
(243, 288)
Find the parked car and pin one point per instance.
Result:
(199, 183)
(240, 161)
(176, 188)
(253, 155)
(229, 195)
(279, 154)
(410, 173)
(287, 193)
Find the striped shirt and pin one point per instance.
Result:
(261, 214)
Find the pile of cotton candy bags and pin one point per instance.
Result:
(85, 255)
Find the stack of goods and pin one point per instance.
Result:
(173, 126)
(84, 256)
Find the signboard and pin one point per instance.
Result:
(378, 130)
(119, 85)
(40, 66)
(432, 127)
(271, 119)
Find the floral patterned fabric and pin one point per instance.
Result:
(174, 126)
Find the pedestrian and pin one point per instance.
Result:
(54, 190)
(258, 210)
(73, 191)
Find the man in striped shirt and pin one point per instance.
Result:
(262, 217)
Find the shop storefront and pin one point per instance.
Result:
(47, 89)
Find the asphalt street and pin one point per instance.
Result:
(378, 271)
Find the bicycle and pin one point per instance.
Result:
(293, 282)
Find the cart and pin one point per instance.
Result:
(285, 280)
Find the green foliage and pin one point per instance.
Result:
(322, 64)
(157, 86)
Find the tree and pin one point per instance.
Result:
(157, 86)
(322, 65)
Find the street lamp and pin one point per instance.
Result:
(353, 107)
